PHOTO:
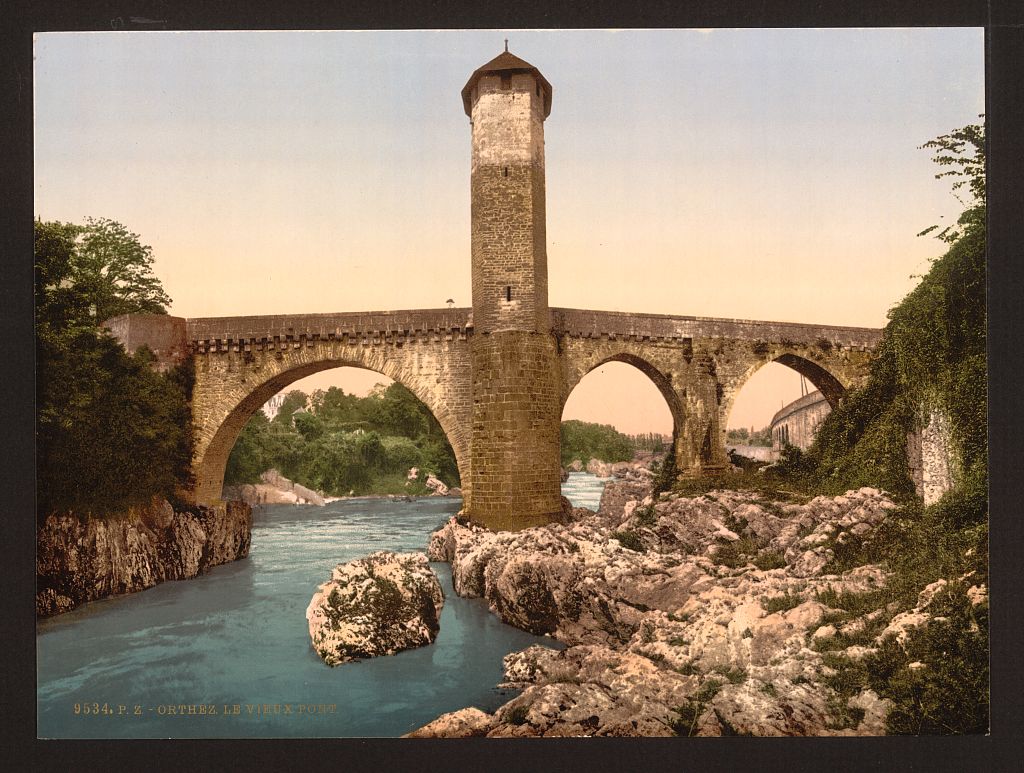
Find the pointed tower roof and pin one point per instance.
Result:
(505, 64)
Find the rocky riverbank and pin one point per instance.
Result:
(713, 615)
(81, 559)
(378, 605)
(275, 489)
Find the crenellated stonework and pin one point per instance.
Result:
(497, 376)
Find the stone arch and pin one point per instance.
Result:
(220, 413)
(830, 385)
(654, 374)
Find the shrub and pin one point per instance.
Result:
(517, 715)
(783, 603)
(629, 540)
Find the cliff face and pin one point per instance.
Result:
(84, 559)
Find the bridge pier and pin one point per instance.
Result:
(516, 437)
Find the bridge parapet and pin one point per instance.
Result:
(580, 323)
(283, 331)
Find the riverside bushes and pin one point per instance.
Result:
(340, 443)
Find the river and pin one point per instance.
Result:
(227, 655)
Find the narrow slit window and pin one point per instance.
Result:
(508, 292)
(506, 171)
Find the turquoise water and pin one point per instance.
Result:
(236, 640)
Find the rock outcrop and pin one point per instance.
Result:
(81, 559)
(378, 605)
(275, 489)
(436, 486)
(711, 615)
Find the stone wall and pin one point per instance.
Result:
(516, 469)
(81, 559)
(757, 453)
(699, 376)
(931, 457)
(797, 423)
(166, 336)
(507, 193)
(233, 379)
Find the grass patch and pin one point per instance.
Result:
(783, 603)
(629, 540)
(769, 559)
(645, 516)
(517, 714)
(736, 553)
(733, 675)
(687, 714)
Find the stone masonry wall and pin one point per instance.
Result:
(798, 422)
(508, 236)
(516, 431)
(930, 456)
(165, 336)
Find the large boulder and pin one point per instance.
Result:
(378, 605)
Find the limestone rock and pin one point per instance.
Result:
(437, 487)
(465, 723)
(274, 489)
(82, 559)
(378, 605)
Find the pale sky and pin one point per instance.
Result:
(760, 174)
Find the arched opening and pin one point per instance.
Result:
(621, 410)
(780, 403)
(337, 429)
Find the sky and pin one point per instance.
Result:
(755, 174)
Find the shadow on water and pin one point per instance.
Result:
(238, 636)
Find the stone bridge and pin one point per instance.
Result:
(497, 375)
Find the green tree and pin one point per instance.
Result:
(294, 400)
(585, 441)
(116, 271)
(963, 152)
(309, 425)
(100, 411)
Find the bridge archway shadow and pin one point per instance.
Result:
(210, 466)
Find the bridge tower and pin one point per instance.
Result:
(515, 468)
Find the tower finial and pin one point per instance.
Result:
(506, 45)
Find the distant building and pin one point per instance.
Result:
(273, 405)
(796, 424)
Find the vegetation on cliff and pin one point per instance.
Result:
(339, 443)
(100, 410)
(932, 358)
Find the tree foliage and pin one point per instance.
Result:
(584, 441)
(101, 412)
(343, 444)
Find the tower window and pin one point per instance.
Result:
(508, 292)
(538, 89)
(506, 171)
(506, 81)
